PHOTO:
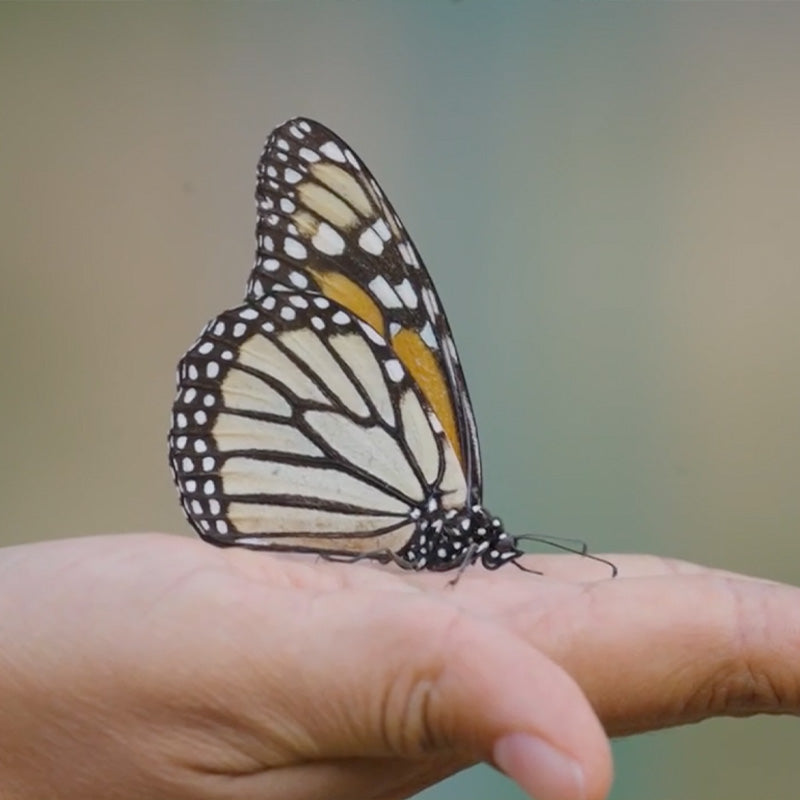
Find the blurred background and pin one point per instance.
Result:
(607, 196)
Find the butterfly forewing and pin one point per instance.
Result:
(324, 225)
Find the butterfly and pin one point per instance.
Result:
(328, 413)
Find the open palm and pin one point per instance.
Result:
(148, 665)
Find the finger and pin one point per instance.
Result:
(664, 651)
(404, 676)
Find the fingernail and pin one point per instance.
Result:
(541, 770)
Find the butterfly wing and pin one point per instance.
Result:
(296, 427)
(324, 225)
(329, 412)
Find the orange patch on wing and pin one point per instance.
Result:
(350, 295)
(421, 364)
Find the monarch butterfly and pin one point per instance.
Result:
(328, 413)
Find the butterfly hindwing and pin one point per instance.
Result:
(325, 227)
(297, 427)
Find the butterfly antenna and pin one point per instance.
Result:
(530, 571)
(576, 546)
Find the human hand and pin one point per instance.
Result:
(155, 666)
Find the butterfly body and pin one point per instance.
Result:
(328, 413)
(447, 539)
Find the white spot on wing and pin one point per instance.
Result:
(370, 242)
(451, 348)
(292, 175)
(382, 230)
(393, 369)
(341, 318)
(298, 301)
(380, 287)
(371, 333)
(327, 240)
(429, 337)
(352, 159)
(298, 279)
(294, 249)
(308, 155)
(429, 301)
(332, 151)
(407, 293)
(407, 254)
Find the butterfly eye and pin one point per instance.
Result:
(328, 413)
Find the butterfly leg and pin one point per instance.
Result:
(467, 558)
(381, 556)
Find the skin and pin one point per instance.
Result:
(156, 666)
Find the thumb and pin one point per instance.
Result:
(402, 675)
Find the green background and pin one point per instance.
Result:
(606, 194)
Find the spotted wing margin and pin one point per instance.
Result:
(296, 428)
(325, 224)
